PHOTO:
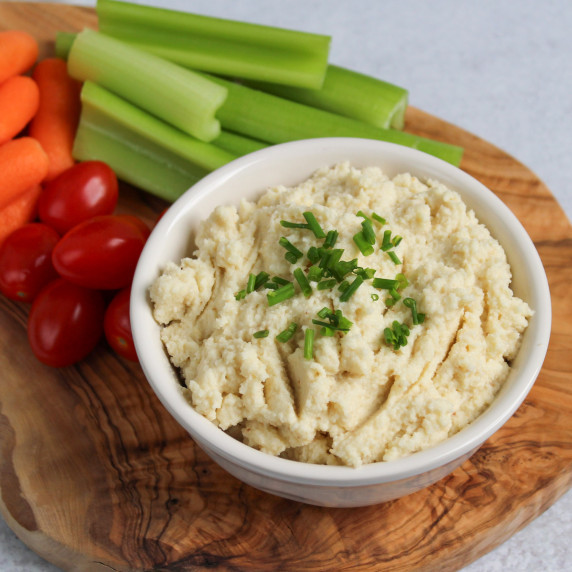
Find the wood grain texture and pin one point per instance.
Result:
(95, 475)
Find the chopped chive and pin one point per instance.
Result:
(378, 218)
(287, 334)
(396, 336)
(389, 336)
(386, 241)
(341, 268)
(347, 294)
(374, 297)
(324, 262)
(284, 293)
(240, 295)
(396, 240)
(331, 239)
(291, 257)
(288, 224)
(384, 283)
(343, 286)
(368, 232)
(261, 334)
(330, 326)
(280, 281)
(271, 285)
(364, 246)
(412, 305)
(251, 282)
(362, 214)
(315, 273)
(303, 282)
(324, 312)
(284, 242)
(261, 279)
(313, 255)
(327, 284)
(309, 343)
(365, 273)
(390, 302)
(394, 294)
(343, 322)
(314, 225)
(394, 257)
(402, 281)
(327, 331)
(331, 258)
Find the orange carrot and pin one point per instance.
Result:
(19, 100)
(55, 123)
(23, 164)
(18, 53)
(19, 211)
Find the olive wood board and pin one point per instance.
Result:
(96, 475)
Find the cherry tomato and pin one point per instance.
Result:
(117, 325)
(26, 261)
(83, 191)
(137, 223)
(99, 253)
(65, 323)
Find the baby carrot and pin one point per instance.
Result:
(19, 211)
(55, 123)
(19, 100)
(23, 164)
(18, 53)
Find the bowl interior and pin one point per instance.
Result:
(289, 164)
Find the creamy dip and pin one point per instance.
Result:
(358, 397)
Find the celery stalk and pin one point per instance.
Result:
(352, 94)
(238, 144)
(176, 95)
(205, 155)
(134, 159)
(273, 119)
(63, 44)
(218, 45)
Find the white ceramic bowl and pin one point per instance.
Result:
(289, 164)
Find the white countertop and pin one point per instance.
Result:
(500, 69)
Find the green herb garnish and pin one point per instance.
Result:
(261, 334)
(364, 246)
(396, 335)
(303, 282)
(283, 293)
(331, 239)
(394, 257)
(286, 335)
(347, 294)
(314, 225)
(295, 253)
(309, 343)
(417, 317)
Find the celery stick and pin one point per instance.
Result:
(63, 44)
(135, 160)
(218, 45)
(202, 154)
(176, 95)
(238, 144)
(352, 94)
(273, 119)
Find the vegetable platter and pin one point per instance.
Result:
(95, 475)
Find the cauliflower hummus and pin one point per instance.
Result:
(297, 336)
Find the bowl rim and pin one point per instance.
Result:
(208, 436)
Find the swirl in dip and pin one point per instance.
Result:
(382, 350)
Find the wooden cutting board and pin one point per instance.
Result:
(95, 475)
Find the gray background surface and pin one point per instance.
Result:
(501, 69)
